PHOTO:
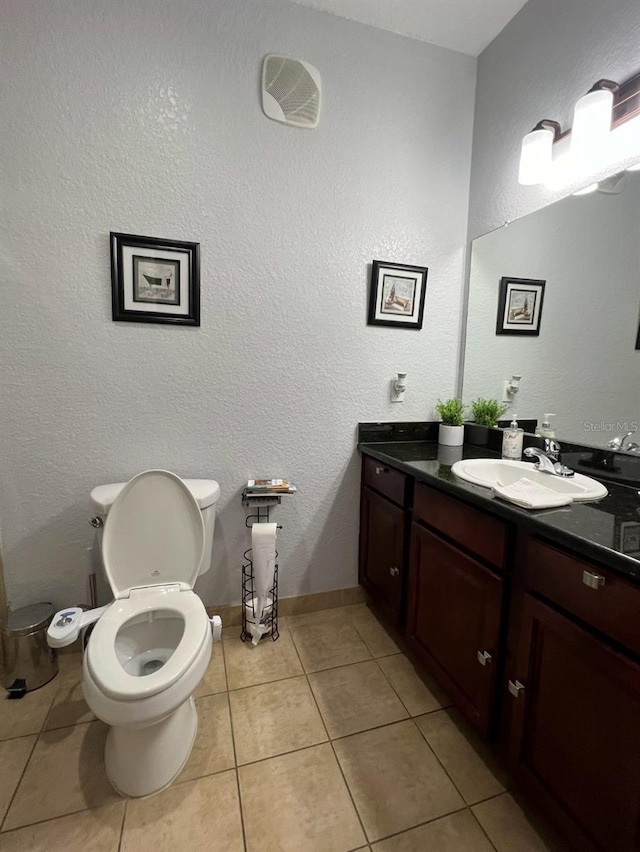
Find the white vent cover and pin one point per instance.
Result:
(291, 91)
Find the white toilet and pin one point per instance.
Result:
(151, 646)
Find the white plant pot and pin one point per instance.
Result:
(451, 436)
(449, 455)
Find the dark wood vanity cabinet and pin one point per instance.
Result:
(531, 640)
(382, 537)
(574, 733)
(454, 602)
(453, 622)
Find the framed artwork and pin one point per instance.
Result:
(155, 280)
(520, 306)
(396, 297)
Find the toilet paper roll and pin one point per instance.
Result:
(251, 608)
(263, 543)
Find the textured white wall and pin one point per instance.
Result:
(145, 117)
(547, 57)
(587, 250)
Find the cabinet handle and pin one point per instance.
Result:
(516, 688)
(394, 571)
(484, 657)
(380, 470)
(594, 581)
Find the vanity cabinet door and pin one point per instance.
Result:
(453, 622)
(382, 551)
(575, 730)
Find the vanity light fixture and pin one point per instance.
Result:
(592, 121)
(606, 130)
(536, 155)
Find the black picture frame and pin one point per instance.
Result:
(396, 295)
(154, 280)
(516, 314)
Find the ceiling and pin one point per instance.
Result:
(464, 25)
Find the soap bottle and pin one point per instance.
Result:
(512, 441)
(545, 430)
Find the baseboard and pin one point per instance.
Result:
(232, 615)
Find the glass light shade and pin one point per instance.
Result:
(536, 157)
(592, 124)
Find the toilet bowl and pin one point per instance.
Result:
(151, 646)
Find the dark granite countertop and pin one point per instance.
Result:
(603, 530)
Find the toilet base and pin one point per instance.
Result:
(143, 761)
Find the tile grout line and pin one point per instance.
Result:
(444, 768)
(22, 774)
(52, 819)
(383, 628)
(420, 825)
(384, 675)
(333, 751)
(448, 774)
(124, 816)
(482, 828)
(235, 754)
(40, 729)
(410, 719)
(467, 805)
(38, 734)
(411, 715)
(400, 652)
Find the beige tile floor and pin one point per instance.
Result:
(326, 740)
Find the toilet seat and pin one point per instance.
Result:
(101, 656)
(152, 548)
(154, 534)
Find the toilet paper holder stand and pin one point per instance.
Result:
(270, 616)
(261, 506)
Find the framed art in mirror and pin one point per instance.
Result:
(155, 280)
(520, 306)
(396, 296)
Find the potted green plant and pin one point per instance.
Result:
(487, 412)
(451, 413)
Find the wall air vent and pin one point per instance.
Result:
(291, 91)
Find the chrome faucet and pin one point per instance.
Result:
(548, 460)
(618, 443)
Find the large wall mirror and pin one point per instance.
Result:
(584, 362)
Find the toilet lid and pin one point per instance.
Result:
(153, 535)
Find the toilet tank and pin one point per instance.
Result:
(205, 491)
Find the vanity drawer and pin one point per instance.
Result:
(595, 595)
(385, 479)
(470, 528)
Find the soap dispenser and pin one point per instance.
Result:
(545, 430)
(512, 441)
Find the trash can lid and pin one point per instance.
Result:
(27, 619)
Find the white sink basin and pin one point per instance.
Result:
(489, 472)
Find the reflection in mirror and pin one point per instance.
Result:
(583, 365)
